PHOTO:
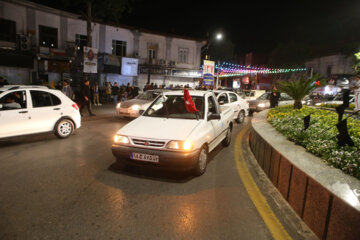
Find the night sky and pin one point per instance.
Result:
(251, 26)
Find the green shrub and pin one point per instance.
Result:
(320, 138)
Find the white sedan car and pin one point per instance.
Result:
(36, 109)
(131, 108)
(237, 103)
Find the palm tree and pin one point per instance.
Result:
(299, 88)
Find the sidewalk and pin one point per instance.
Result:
(106, 110)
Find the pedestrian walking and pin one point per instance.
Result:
(95, 91)
(355, 86)
(274, 97)
(67, 90)
(85, 96)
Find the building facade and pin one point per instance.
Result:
(42, 44)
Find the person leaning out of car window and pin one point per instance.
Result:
(274, 97)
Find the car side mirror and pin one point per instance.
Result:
(214, 116)
(141, 111)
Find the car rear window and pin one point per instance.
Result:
(44, 99)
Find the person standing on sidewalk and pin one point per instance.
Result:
(115, 92)
(108, 92)
(85, 95)
(274, 97)
(66, 89)
(95, 90)
(355, 85)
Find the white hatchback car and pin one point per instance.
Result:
(237, 103)
(35, 109)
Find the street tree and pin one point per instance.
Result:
(299, 88)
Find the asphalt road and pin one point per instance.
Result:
(72, 189)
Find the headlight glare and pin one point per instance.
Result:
(180, 145)
(121, 139)
(118, 105)
(135, 107)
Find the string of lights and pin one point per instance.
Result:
(229, 70)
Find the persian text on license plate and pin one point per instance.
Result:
(144, 157)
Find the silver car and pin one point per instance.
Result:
(131, 108)
(263, 102)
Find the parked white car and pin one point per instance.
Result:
(166, 135)
(131, 108)
(35, 109)
(237, 103)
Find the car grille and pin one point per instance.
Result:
(148, 143)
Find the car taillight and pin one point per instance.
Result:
(247, 102)
(75, 106)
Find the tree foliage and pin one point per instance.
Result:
(299, 88)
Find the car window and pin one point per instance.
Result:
(55, 100)
(224, 98)
(14, 100)
(212, 107)
(285, 97)
(264, 96)
(233, 97)
(173, 106)
(40, 99)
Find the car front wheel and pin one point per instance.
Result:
(64, 128)
(241, 116)
(202, 161)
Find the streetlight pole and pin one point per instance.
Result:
(217, 75)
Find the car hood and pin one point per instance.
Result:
(131, 102)
(159, 128)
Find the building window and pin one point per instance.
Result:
(152, 54)
(48, 37)
(119, 48)
(328, 70)
(80, 41)
(7, 30)
(183, 55)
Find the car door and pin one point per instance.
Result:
(235, 104)
(46, 110)
(285, 99)
(218, 125)
(14, 114)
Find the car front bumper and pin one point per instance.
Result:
(175, 160)
(127, 112)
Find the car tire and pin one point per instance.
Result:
(201, 162)
(64, 128)
(241, 116)
(227, 140)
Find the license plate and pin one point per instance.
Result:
(144, 157)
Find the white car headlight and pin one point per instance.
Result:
(180, 145)
(118, 105)
(135, 107)
(121, 139)
(261, 105)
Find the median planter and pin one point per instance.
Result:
(325, 198)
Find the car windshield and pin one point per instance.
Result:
(264, 96)
(173, 106)
(148, 95)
